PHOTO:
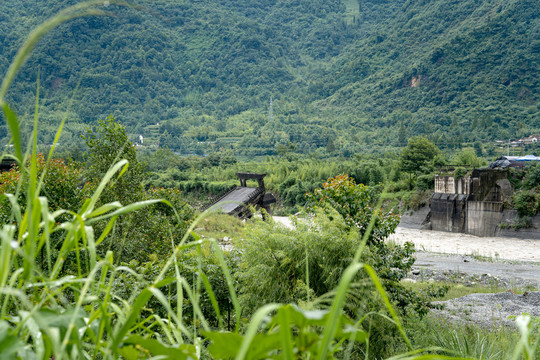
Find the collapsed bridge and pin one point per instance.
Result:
(239, 200)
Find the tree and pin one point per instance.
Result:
(478, 149)
(354, 202)
(137, 235)
(468, 157)
(108, 143)
(161, 160)
(417, 156)
(402, 134)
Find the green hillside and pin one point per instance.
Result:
(446, 69)
(343, 76)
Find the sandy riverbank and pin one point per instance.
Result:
(463, 244)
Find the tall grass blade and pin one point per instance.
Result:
(373, 275)
(125, 210)
(253, 327)
(330, 328)
(230, 284)
(13, 125)
(212, 296)
(133, 314)
(121, 166)
(286, 335)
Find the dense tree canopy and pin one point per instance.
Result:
(197, 77)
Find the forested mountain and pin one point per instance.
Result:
(343, 76)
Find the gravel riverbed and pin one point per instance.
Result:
(504, 263)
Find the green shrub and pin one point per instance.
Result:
(60, 186)
(527, 203)
(425, 182)
(459, 172)
(468, 157)
(283, 265)
(305, 264)
(355, 204)
(415, 199)
(400, 185)
(532, 177)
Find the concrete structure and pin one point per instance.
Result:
(472, 205)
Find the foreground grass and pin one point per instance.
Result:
(467, 341)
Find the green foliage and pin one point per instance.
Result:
(291, 330)
(108, 143)
(459, 172)
(532, 177)
(520, 222)
(162, 160)
(466, 340)
(60, 186)
(425, 182)
(201, 266)
(303, 265)
(354, 202)
(468, 157)
(355, 205)
(198, 77)
(440, 160)
(418, 155)
(527, 203)
(411, 199)
(152, 231)
(283, 265)
(478, 150)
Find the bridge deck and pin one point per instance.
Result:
(237, 198)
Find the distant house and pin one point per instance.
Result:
(532, 139)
